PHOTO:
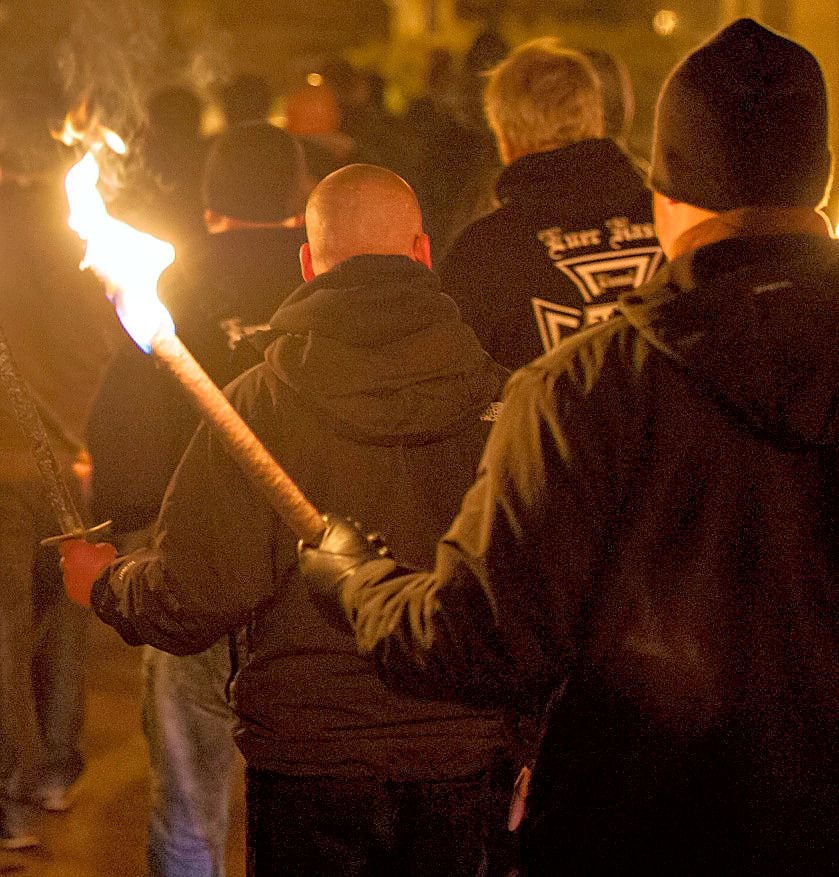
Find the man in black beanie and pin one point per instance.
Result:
(654, 531)
(742, 122)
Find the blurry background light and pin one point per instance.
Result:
(665, 21)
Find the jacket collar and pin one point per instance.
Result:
(751, 222)
(366, 300)
(726, 242)
(723, 246)
(752, 316)
(560, 169)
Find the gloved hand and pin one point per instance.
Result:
(343, 548)
(81, 564)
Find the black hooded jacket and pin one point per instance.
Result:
(141, 422)
(573, 232)
(59, 327)
(376, 399)
(657, 509)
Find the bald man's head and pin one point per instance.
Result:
(361, 210)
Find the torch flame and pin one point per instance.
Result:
(129, 261)
(113, 140)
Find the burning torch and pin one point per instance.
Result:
(130, 263)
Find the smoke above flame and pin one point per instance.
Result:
(128, 261)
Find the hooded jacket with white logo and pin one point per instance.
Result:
(573, 232)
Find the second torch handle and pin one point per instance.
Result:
(244, 447)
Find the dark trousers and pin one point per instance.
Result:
(361, 828)
(616, 791)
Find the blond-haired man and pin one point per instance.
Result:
(574, 227)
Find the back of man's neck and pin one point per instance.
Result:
(751, 222)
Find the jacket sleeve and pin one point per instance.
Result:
(502, 608)
(212, 563)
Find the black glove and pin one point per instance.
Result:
(343, 548)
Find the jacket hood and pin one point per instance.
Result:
(378, 349)
(755, 321)
(558, 170)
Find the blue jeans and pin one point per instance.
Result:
(42, 652)
(189, 728)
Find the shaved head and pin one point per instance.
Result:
(360, 210)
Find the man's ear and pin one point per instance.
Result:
(306, 262)
(505, 150)
(421, 250)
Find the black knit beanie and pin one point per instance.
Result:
(253, 173)
(742, 122)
